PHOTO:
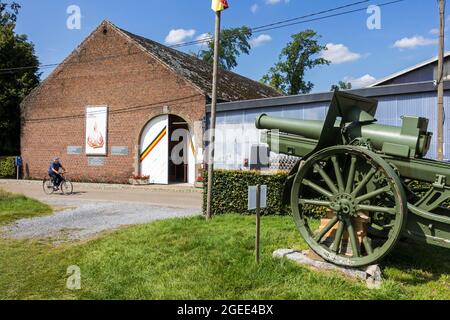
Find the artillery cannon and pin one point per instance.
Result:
(352, 191)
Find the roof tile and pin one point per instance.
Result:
(231, 86)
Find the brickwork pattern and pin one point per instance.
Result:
(106, 69)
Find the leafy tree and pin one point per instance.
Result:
(342, 85)
(8, 17)
(233, 43)
(299, 55)
(15, 83)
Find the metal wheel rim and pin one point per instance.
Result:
(46, 186)
(66, 187)
(395, 184)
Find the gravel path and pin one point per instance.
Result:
(86, 218)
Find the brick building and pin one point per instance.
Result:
(143, 90)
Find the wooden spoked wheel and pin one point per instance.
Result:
(348, 190)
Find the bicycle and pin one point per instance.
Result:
(65, 186)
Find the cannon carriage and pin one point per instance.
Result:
(359, 186)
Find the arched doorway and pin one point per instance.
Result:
(167, 151)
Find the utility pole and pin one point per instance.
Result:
(217, 6)
(440, 84)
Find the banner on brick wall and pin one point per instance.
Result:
(96, 130)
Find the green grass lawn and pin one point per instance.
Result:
(196, 259)
(16, 206)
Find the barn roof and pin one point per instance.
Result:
(231, 86)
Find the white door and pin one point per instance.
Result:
(154, 150)
(191, 158)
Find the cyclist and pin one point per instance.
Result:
(53, 172)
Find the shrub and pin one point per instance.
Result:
(231, 188)
(7, 167)
(230, 192)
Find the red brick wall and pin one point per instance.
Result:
(134, 86)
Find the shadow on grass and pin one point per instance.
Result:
(418, 263)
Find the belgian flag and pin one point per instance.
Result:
(219, 5)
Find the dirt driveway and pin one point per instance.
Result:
(94, 208)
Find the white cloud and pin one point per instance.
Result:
(361, 82)
(179, 35)
(416, 41)
(276, 1)
(259, 40)
(338, 53)
(434, 31)
(204, 37)
(254, 8)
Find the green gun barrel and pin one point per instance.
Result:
(310, 129)
(409, 140)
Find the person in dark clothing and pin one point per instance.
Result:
(53, 172)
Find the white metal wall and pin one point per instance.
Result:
(391, 108)
(236, 130)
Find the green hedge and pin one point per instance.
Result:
(231, 188)
(7, 167)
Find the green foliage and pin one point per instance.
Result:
(230, 191)
(233, 43)
(15, 52)
(8, 16)
(17, 206)
(342, 85)
(299, 55)
(7, 167)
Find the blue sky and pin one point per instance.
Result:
(407, 35)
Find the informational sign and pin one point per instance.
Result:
(259, 157)
(18, 161)
(252, 190)
(74, 150)
(96, 161)
(119, 151)
(96, 130)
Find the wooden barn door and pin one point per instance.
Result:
(154, 148)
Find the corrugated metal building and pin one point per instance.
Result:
(236, 132)
(424, 71)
